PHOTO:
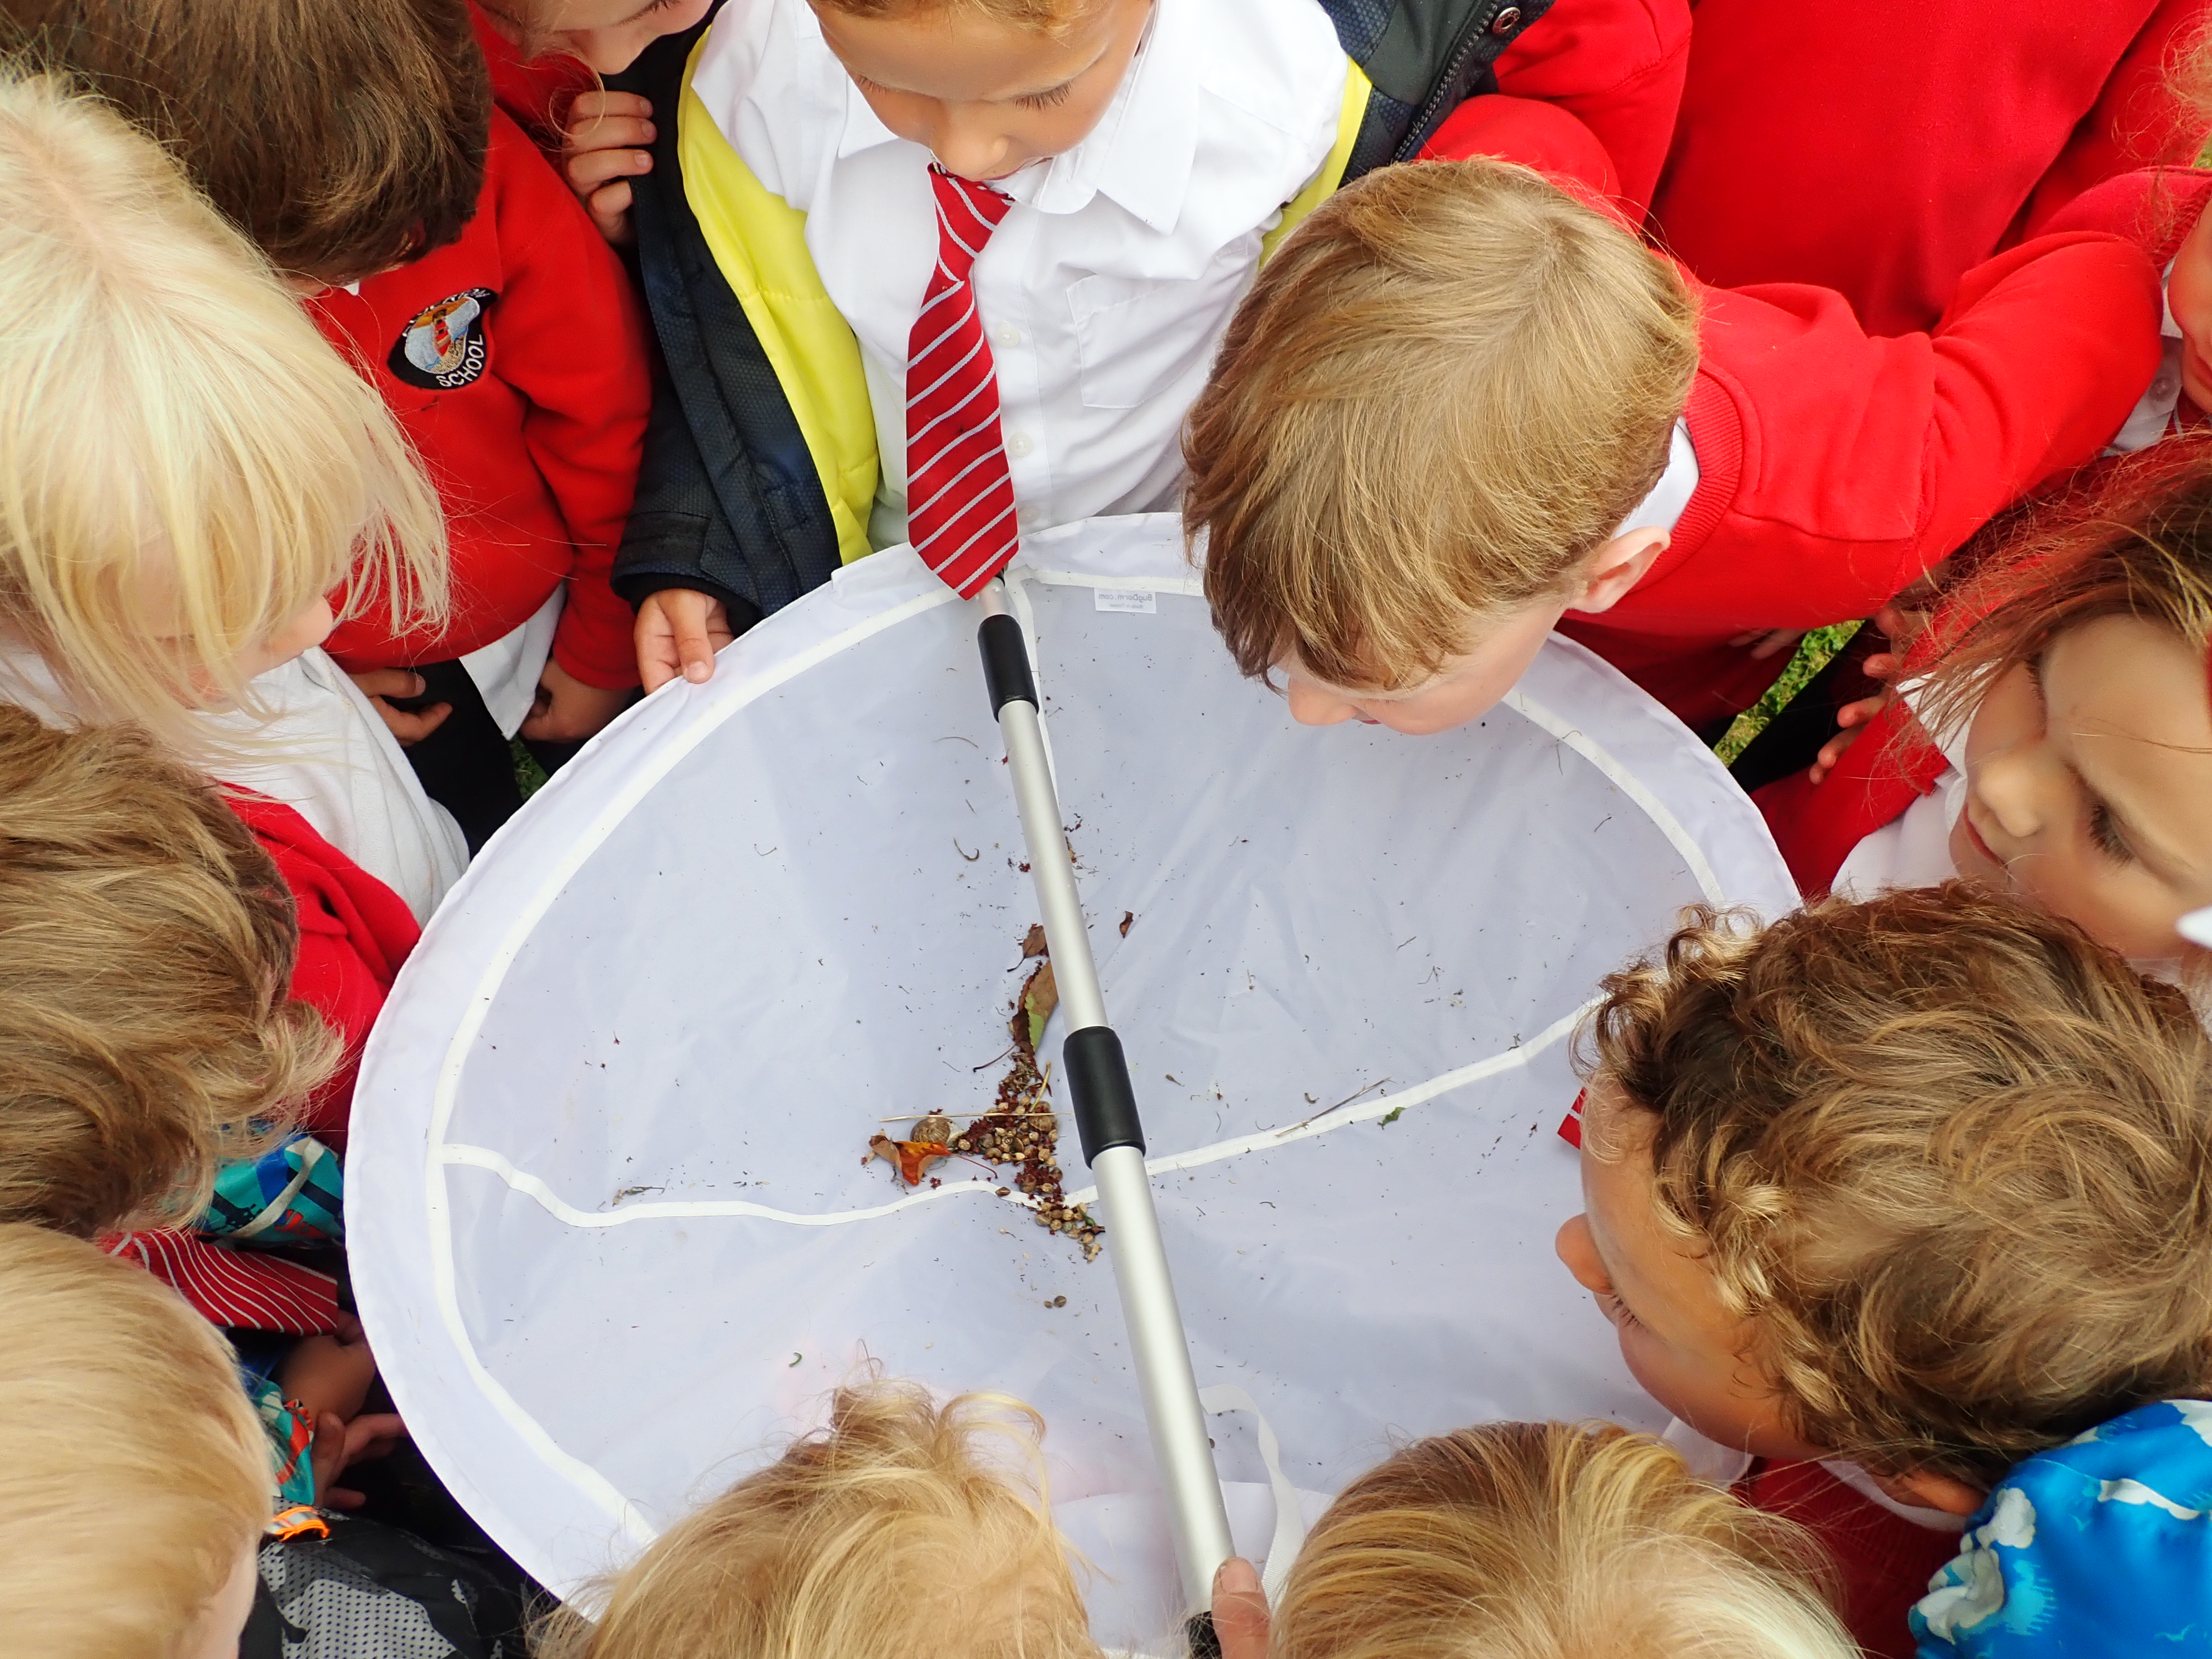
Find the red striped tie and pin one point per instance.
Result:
(960, 500)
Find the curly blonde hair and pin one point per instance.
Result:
(904, 1530)
(113, 1541)
(1448, 387)
(1951, 1157)
(146, 1032)
(1551, 1540)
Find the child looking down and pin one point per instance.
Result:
(198, 490)
(1541, 1540)
(904, 1530)
(1461, 407)
(1924, 1183)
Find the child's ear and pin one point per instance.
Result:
(1930, 1490)
(1615, 569)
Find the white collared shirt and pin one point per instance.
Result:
(1107, 287)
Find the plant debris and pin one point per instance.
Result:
(1021, 1131)
(1393, 1115)
(1127, 916)
(1033, 1008)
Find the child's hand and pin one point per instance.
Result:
(602, 150)
(340, 1443)
(678, 631)
(411, 726)
(1766, 642)
(1901, 627)
(1240, 1611)
(566, 710)
(330, 1373)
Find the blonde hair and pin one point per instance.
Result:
(1448, 389)
(1551, 1540)
(147, 942)
(897, 1533)
(133, 1473)
(170, 421)
(1949, 1156)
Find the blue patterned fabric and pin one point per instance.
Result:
(2099, 1546)
(294, 1193)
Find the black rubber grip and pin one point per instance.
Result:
(1098, 1086)
(1006, 663)
(1201, 1638)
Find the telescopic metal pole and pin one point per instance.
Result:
(1105, 1108)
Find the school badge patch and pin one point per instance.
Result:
(444, 347)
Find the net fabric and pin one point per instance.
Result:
(614, 1232)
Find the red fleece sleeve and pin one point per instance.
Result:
(1618, 66)
(573, 344)
(2039, 359)
(355, 932)
(1539, 136)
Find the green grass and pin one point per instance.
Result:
(529, 775)
(1814, 654)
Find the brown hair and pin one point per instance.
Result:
(114, 1536)
(1447, 388)
(894, 1534)
(2138, 545)
(1550, 1540)
(342, 137)
(146, 953)
(1950, 1156)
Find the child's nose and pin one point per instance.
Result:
(1311, 706)
(2012, 789)
(964, 145)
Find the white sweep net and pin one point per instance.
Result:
(613, 1228)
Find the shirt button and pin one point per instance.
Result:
(1007, 334)
(1018, 444)
(1030, 517)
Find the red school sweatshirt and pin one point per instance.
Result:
(1834, 467)
(1883, 148)
(516, 360)
(354, 933)
(1618, 67)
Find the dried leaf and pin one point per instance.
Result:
(1040, 996)
(1127, 916)
(912, 1158)
(1033, 941)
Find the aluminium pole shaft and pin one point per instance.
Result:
(1104, 1106)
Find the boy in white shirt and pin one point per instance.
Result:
(1129, 159)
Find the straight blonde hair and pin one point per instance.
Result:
(185, 465)
(1447, 390)
(905, 1530)
(133, 1473)
(1551, 1540)
(147, 1028)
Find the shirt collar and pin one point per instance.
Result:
(1139, 153)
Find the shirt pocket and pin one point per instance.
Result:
(1138, 339)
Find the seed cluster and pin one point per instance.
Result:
(1023, 1133)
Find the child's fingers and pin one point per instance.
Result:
(391, 682)
(588, 109)
(616, 133)
(410, 727)
(593, 168)
(1240, 1611)
(694, 650)
(609, 211)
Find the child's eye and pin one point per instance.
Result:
(1046, 99)
(2105, 832)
